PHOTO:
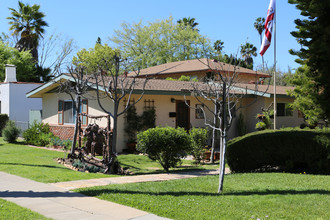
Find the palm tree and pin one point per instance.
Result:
(28, 25)
(189, 22)
(218, 45)
(259, 25)
(247, 51)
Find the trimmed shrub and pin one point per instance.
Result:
(289, 150)
(3, 121)
(199, 138)
(166, 145)
(39, 134)
(11, 132)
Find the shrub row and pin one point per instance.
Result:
(289, 150)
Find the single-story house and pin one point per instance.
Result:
(168, 98)
(13, 100)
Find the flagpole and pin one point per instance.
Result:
(275, 104)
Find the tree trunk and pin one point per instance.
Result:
(214, 134)
(74, 141)
(223, 145)
(223, 142)
(114, 134)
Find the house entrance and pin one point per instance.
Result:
(182, 114)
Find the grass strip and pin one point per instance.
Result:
(9, 210)
(246, 196)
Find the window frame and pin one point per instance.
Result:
(285, 111)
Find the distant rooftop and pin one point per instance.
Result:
(196, 65)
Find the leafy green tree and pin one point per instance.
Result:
(108, 65)
(160, 42)
(28, 24)
(313, 34)
(25, 68)
(247, 51)
(306, 94)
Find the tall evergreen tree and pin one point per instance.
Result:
(313, 33)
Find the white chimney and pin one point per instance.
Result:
(10, 73)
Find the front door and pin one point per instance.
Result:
(182, 114)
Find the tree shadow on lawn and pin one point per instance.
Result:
(34, 165)
(98, 192)
(181, 170)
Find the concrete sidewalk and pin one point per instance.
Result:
(135, 179)
(58, 203)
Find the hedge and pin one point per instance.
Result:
(288, 150)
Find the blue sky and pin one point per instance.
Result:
(228, 20)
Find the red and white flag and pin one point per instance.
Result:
(269, 24)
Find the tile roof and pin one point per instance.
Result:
(161, 85)
(195, 65)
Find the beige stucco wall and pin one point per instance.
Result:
(256, 104)
(50, 108)
(163, 107)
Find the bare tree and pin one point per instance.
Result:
(76, 87)
(54, 53)
(118, 88)
(219, 97)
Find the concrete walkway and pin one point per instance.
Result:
(58, 203)
(134, 179)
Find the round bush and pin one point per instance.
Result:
(289, 150)
(166, 145)
(11, 132)
(38, 134)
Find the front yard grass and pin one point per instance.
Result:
(40, 164)
(37, 164)
(246, 196)
(9, 210)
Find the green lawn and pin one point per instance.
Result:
(246, 196)
(37, 164)
(9, 210)
(40, 164)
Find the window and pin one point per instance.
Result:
(84, 109)
(67, 112)
(283, 109)
(198, 112)
(60, 112)
(149, 104)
